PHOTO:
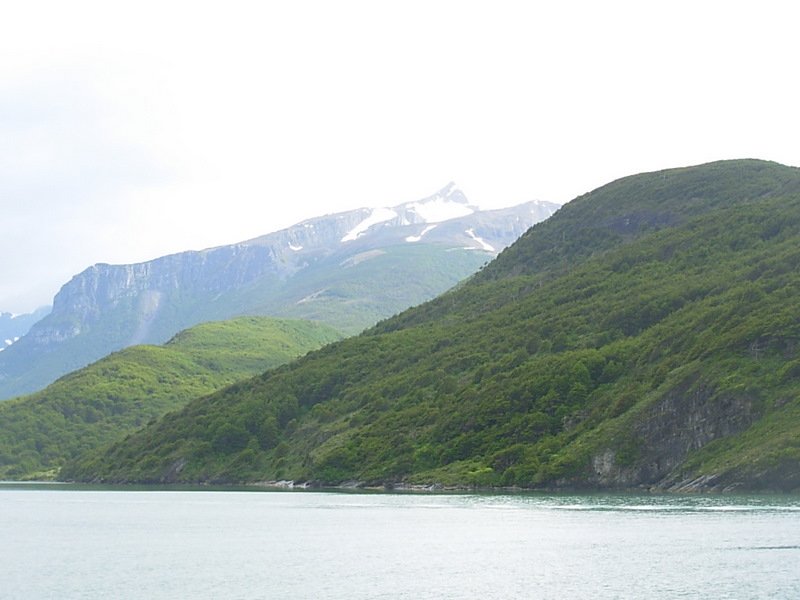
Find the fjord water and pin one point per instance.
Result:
(70, 543)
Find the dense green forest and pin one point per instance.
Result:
(132, 387)
(644, 336)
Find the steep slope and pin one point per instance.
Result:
(125, 390)
(662, 356)
(348, 270)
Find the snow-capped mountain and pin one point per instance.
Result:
(349, 270)
(446, 217)
(449, 203)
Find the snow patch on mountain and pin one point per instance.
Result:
(416, 238)
(378, 215)
(439, 209)
(484, 245)
(8, 343)
(295, 248)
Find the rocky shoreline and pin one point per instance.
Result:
(701, 485)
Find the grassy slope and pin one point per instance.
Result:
(660, 354)
(131, 387)
(367, 290)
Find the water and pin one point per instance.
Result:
(66, 543)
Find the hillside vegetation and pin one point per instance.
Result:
(132, 387)
(644, 336)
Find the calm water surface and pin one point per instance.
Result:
(58, 542)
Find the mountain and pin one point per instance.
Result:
(13, 327)
(645, 336)
(123, 391)
(348, 270)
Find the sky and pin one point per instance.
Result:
(132, 130)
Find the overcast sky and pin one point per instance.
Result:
(130, 130)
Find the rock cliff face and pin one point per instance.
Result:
(654, 448)
(147, 288)
(334, 268)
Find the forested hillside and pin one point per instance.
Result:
(129, 388)
(644, 336)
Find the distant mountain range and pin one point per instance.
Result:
(348, 270)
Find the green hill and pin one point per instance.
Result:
(129, 388)
(644, 336)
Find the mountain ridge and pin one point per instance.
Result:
(334, 268)
(663, 358)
